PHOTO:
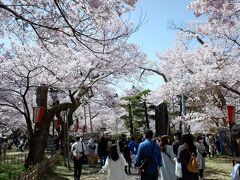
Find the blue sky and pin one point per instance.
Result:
(154, 35)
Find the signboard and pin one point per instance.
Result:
(51, 143)
(103, 129)
(35, 114)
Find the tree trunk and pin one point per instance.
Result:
(146, 114)
(38, 141)
(130, 118)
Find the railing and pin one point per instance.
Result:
(13, 159)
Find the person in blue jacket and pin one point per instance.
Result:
(149, 147)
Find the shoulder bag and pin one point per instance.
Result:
(147, 160)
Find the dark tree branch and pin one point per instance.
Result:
(156, 72)
(173, 26)
(233, 40)
(229, 88)
(18, 16)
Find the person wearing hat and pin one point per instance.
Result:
(77, 150)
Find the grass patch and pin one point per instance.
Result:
(10, 171)
(218, 168)
(62, 172)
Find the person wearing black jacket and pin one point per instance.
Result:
(184, 154)
(177, 142)
(102, 150)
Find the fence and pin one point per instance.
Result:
(13, 159)
(34, 172)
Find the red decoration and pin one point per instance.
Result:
(57, 123)
(76, 127)
(231, 112)
(84, 129)
(40, 114)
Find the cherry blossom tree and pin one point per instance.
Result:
(105, 111)
(30, 69)
(83, 45)
(82, 22)
(205, 59)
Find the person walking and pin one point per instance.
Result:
(127, 155)
(201, 154)
(91, 150)
(5, 147)
(115, 164)
(212, 147)
(132, 146)
(151, 149)
(207, 144)
(184, 154)
(102, 150)
(77, 150)
(168, 164)
(177, 142)
(122, 142)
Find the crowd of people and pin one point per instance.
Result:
(153, 156)
(7, 142)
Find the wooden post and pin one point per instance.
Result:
(85, 117)
(68, 149)
(146, 114)
(90, 117)
(130, 118)
(64, 137)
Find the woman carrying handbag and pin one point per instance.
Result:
(168, 164)
(186, 153)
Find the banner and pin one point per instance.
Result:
(231, 113)
(38, 114)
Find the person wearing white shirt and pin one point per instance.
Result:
(77, 150)
(167, 170)
(235, 175)
(115, 164)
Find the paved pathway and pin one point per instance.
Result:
(91, 174)
(103, 177)
(99, 176)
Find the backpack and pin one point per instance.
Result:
(193, 164)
